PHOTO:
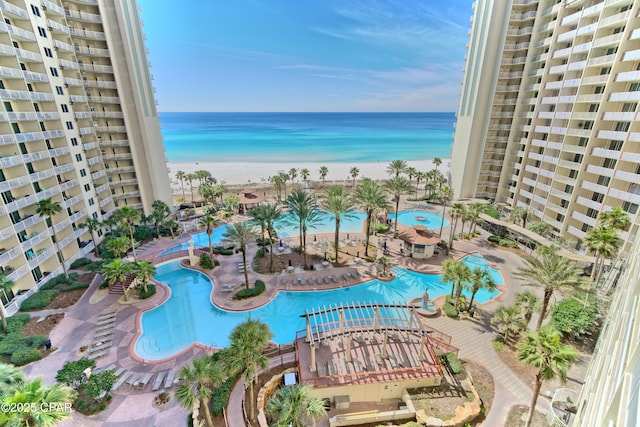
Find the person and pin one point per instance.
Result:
(472, 310)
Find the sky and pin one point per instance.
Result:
(307, 55)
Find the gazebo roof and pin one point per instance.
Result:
(419, 235)
(248, 197)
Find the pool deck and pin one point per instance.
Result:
(133, 407)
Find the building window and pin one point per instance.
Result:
(65, 108)
(632, 208)
(585, 227)
(87, 187)
(603, 180)
(59, 90)
(42, 32)
(48, 52)
(83, 172)
(609, 163)
(592, 213)
(69, 125)
(91, 201)
(74, 142)
(622, 126)
(597, 197)
(79, 157)
(615, 145)
(629, 107)
(54, 71)
(35, 10)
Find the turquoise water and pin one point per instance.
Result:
(188, 316)
(354, 224)
(292, 137)
(431, 220)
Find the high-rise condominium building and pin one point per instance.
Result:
(610, 395)
(78, 124)
(548, 116)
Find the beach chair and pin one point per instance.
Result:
(121, 381)
(334, 279)
(133, 379)
(318, 280)
(158, 382)
(168, 382)
(142, 383)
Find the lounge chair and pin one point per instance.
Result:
(142, 383)
(119, 371)
(318, 280)
(158, 382)
(133, 379)
(334, 279)
(168, 382)
(121, 381)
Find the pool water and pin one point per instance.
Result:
(354, 224)
(188, 316)
(415, 217)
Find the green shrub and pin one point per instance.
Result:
(72, 373)
(260, 253)
(142, 232)
(39, 300)
(573, 318)
(216, 263)
(80, 262)
(494, 239)
(449, 308)
(257, 289)
(492, 211)
(264, 241)
(205, 260)
(454, 363)
(497, 345)
(22, 357)
(96, 266)
(62, 283)
(16, 322)
(223, 251)
(12, 344)
(35, 341)
(220, 397)
(151, 290)
(508, 243)
(381, 228)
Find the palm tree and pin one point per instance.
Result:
(257, 216)
(271, 215)
(6, 284)
(196, 384)
(354, 172)
(384, 262)
(278, 184)
(541, 228)
(372, 199)
(10, 379)
(529, 304)
(304, 174)
(446, 195)
(419, 177)
(293, 173)
(119, 245)
(49, 208)
(456, 272)
(437, 161)
(305, 214)
(520, 214)
(240, 234)
(430, 186)
(397, 187)
(480, 279)
(339, 203)
(508, 320)
(411, 172)
(604, 242)
(396, 167)
(293, 406)
(244, 354)
(550, 271)
(456, 212)
(129, 216)
(544, 351)
(93, 225)
(181, 176)
(143, 270)
(160, 212)
(190, 177)
(324, 171)
(116, 271)
(616, 218)
(475, 209)
(57, 398)
(210, 223)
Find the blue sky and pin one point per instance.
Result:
(307, 55)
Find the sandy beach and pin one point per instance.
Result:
(238, 173)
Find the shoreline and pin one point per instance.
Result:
(258, 173)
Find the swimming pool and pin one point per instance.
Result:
(188, 316)
(416, 217)
(347, 225)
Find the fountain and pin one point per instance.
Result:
(424, 305)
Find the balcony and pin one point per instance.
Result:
(595, 79)
(104, 202)
(631, 157)
(84, 34)
(108, 114)
(24, 95)
(625, 196)
(115, 143)
(99, 174)
(612, 134)
(601, 60)
(608, 40)
(619, 116)
(633, 178)
(591, 186)
(606, 153)
(599, 170)
(71, 65)
(555, 207)
(576, 232)
(595, 97)
(87, 130)
(105, 99)
(577, 149)
(94, 160)
(68, 184)
(584, 218)
(93, 68)
(82, 16)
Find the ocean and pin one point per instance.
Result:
(292, 137)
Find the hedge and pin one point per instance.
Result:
(16, 322)
(449, 308)
(205, 261)
(39, 300)
(80, 262)
(62, 283)
(258, 288)
(220, 396)
(222, 251)
(22, 357)
(151, 290)
(454, 363)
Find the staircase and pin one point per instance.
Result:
(119, 287)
